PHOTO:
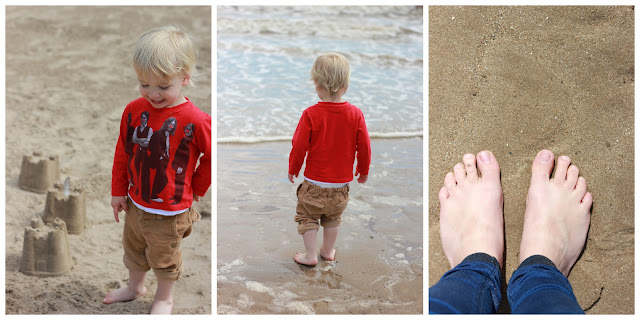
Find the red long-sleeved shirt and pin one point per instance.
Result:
(330, 135)
(159, 158)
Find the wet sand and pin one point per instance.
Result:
(70, 77)
(379, 249)
(515, 80)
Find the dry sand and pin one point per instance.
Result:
(379, 260)
(515, 80)
(69, 77)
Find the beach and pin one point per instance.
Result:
(70, 75)
(515, 80)
(378, 267)
(264, 55)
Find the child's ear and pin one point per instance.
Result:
(185, 80)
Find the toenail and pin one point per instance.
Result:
(484, 156)
(564, 158)
(545, 156)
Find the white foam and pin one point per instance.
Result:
(256, 286)
(227, 267)
(299, 307)
(245, 301)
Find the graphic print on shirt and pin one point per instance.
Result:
(158, 160)
(141, 137)
(180, 162)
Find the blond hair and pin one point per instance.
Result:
(166, 52)
(331, 72)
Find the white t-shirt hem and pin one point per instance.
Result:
(158, 211)
(326, 184)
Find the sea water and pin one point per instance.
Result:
(264, 57)
(265, 54)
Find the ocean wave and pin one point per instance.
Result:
(334, 22)
(372, 135)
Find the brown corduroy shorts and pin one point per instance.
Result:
(323, 204)
(152, 241)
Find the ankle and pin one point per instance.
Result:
(137, 290)
(164, 300)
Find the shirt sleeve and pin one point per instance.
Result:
(119, 179)
(363, 147)
(201, 180)
(300, 144)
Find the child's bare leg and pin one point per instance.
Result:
(557, 215)
(310, 257)
(163, 301)
(471, 219)
(329, 236)
(134, 290)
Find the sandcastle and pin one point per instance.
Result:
(67, 204)
(38, 172)
(46, 249)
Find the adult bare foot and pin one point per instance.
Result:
(123, 294)
(162, 306)
(302, 259)
(557, 215)
(471, 218)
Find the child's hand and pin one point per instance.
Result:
(362, 178)
(291, 177)
(118, 204)
(196, 197)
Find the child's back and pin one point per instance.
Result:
(332, 134)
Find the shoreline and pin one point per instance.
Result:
(257, 237)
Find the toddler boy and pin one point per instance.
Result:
(170, 134)
(330, 134)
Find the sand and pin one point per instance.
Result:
(515, 80)
(379, 260)
(69, 77)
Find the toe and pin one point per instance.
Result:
(469, 161)
(587, 200)
(488, 166)
(581, 187)
(572, 176)
(542, 166)
(561, 170)
(449, 182)
(459, 173)
(443, 195)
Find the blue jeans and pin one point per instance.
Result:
(473, 286)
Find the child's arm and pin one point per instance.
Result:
(119, 178)
(363, 151)
(300, 145)
(201, 180)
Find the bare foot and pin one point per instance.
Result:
(471, 218)
(123, 294)
(162, 306)
(329, 257)
(557, 216)
(302, 259)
